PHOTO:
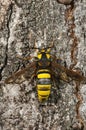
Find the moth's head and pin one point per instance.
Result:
(43, 52)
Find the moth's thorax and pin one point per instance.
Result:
(44, 58)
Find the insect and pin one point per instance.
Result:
(45, 68)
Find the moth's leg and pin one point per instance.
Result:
(32, 78)
(56, 88)
(59, 61)
(65, 78)
(24, 58)
(14, 79)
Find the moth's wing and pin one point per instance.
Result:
(65, 73)
(22, 75)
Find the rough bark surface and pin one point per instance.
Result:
(22, 23)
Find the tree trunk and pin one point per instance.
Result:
(28, 23)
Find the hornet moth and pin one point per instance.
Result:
(45, 68)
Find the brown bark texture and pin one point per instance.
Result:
(23, 23)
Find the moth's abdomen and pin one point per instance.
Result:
(43, 84)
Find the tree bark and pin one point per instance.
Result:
(22, 24)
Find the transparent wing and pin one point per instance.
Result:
(65, 73)
(22, 75)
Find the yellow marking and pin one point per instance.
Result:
(43, 50)
(39, 55)
(48, 55)
(46, 86)
(41, 98)
(48, 50)
(42, 70)
(43, 75)
(44, 93)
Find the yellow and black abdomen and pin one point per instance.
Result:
(43, 84)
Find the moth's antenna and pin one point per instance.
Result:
(52, 45)
(45, 36)
(36, 35)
